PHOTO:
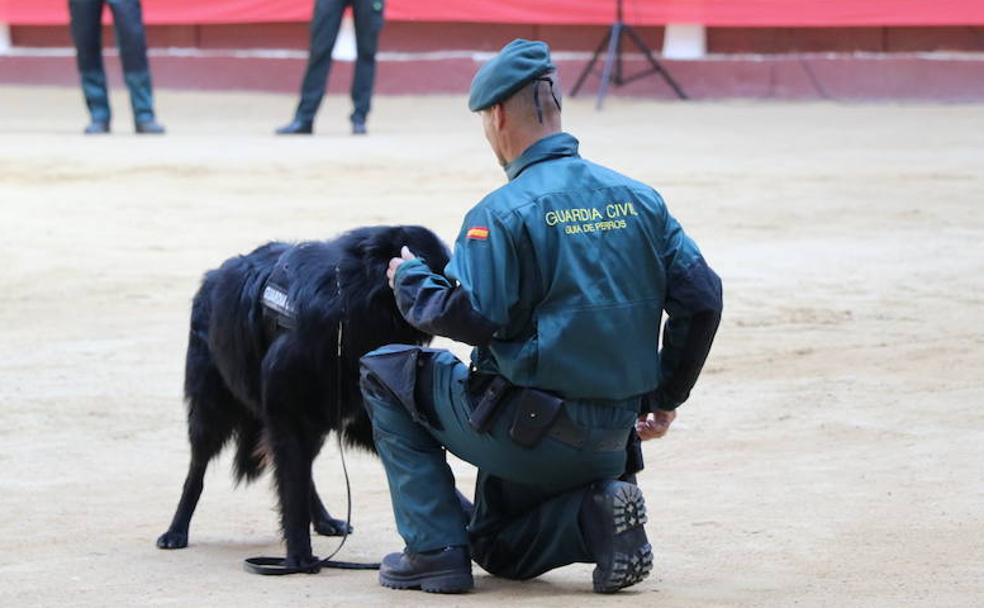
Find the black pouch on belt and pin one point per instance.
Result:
(487, 393)
(536, 412)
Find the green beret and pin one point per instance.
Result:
(518, 63)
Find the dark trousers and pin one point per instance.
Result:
(527, 500)
(132, 41)
(368, 17)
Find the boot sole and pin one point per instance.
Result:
(632, 561)
(444, 582)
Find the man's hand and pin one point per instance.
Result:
(654, 425)
(405, 255)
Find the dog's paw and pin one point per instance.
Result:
(332, 527)
(310, 564)
(172, 540)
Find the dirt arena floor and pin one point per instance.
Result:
(831, 455)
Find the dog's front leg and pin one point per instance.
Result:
(292, 461)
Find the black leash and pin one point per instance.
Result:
(276, 566)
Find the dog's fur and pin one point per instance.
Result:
(279, 393)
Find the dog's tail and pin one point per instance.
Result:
(252, 451)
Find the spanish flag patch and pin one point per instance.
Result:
(478, 232)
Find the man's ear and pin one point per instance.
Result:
(499, 116)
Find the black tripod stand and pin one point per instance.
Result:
(612, 72)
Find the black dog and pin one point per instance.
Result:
(263, 365)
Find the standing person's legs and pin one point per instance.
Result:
(368, 16)
(132, 40)
(324, 30)
(87, 35)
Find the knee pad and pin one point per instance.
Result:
(399, 374)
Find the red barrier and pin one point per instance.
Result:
(733, 13)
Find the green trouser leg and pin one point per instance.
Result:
(368, 18)
(141, 95)
(96, 95)
(520, 531)
(325, 23)
(87, 36)
(428, 513)
(131, 38)
(527, 500)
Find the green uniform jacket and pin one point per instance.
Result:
(561, 277)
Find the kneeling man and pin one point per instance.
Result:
(559, 279)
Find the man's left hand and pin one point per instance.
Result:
(405, 256)
(654, 425)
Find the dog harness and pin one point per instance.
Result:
(278, 311)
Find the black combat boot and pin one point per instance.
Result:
(149, 127)
(297, 127)
(446, 570)
(97, 127)
(611, 519)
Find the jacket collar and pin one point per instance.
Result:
(550, 147)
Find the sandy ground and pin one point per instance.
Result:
(831, 455)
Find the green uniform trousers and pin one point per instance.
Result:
(131, 38)
(527, 500)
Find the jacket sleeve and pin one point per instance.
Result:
(481, 287)
(430, 303)
(693, 306)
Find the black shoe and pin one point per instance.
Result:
(446, 570)
(612, 519)
(297, 127)
(97, 128)
(149, 127)
(359, 127)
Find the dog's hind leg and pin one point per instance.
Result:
(213, 414)
(322, 521)
(176, 536)
(207, 439)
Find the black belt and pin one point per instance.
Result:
(567, 431)
(538, 414)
